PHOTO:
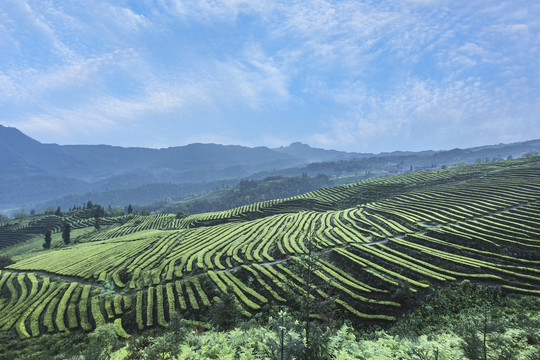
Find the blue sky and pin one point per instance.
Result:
(365, 76)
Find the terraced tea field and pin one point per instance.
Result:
(476, 222)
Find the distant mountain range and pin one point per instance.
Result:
(33, 173)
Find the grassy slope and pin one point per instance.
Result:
(432, 228)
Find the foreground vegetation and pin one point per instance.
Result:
(393, 258)
(461, 321)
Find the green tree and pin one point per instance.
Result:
(58, 212)
(289, 343)
(66, 233)
(180, 214)
(130, 209)
(471, 343)
(20, 214)
(99, 211)
(101, 343)
(5, 261)
(226, 313)
(162, 348)
(306, 266)
(482, 336)
(48, 238)
(168, 346)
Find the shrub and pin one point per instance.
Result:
(5, 261)
(403, 294)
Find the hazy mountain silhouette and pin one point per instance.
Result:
(32, 172)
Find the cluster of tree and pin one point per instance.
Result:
(531, 154)
(97, 211)
(248, 192)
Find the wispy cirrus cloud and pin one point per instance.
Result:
(346, 74)
(452, 114)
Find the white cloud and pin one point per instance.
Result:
(31, 84)
(437, 113)
(380, 69)
(255, 79)
(37, 22)
(208, 11)
(7, 87)
(44, 124)
(255, 84)
(125, 18)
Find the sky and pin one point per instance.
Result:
(363, 76)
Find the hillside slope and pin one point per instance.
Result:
(372, 238)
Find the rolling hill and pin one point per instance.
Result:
(370, 239)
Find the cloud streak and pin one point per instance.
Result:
(347, 74)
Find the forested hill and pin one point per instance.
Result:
(32, 173)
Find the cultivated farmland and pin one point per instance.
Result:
(371, 238)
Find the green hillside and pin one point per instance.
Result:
(372, 239)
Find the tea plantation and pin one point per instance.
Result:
(372, 240)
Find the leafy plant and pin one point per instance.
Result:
(226, 312)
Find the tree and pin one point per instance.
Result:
(480, 336)
(226, 313)
(129, 209)
(66, 233)
(89, 204)
(5, 261)
(306, 266)
(58, 212)
(168, 346)
(99, 211)
(180, 214)
(289, 344)
(47, 244)
(20, 214)
(116, 211)
(101, 343)
(310, 265)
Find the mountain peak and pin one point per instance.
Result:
(298, 144)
